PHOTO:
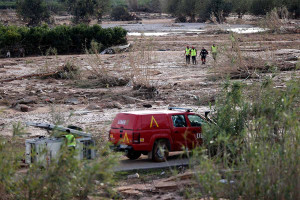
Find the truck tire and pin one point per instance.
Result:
(160, 151)
(133, 155)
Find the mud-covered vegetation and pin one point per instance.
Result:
(65, 39)
(65, 178)
(254, 145)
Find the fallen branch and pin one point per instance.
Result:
(29, 76)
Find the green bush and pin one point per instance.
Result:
(64, 178)
(66, 39)
(8, 5)
(254, 146)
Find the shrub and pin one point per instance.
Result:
(120, 13)
(65, 39)
(8, 5)
(64, 178)
(255, 143)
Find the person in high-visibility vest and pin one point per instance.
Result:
(194, 55)
(214, 52)
(187, 54)
(71, 141)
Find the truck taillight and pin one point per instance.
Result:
(109, 136)
(135, 138)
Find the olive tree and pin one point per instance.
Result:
(33, 12)
(84, 10)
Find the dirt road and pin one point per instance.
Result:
(174, 160)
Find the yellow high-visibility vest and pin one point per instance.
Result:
(71, 141)
(214, 49)
(187, 51)
(193, 52)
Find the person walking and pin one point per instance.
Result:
(203, 55)
(8, 54)
(194, 55)
(214, 52)
(187, 55)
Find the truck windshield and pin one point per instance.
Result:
(195, 120)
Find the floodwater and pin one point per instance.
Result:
(164, 29)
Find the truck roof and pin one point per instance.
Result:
(149, 112)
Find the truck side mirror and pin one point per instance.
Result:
(206, 114)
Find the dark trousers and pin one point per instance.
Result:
(203, 59)
(194, 60)
(187, 59)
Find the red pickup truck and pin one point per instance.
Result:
(156, 133)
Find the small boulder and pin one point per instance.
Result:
(24, 108)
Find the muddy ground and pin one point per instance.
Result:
(152, 72)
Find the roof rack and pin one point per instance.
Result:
(185, 109)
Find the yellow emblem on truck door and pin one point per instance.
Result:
(153, 120)
(126, 138)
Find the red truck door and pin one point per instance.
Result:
(179, 131)
(195, 123)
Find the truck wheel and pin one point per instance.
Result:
(160, 151)
(133, 155)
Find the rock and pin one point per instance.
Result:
(292, 58)
(140, 187)
(132, 176)
(28, 100)
(24, 108)
(49, 100)
(113, 50)
(112, 105)
(132, 192)
(72, 101)
(93, 107)
(81, 112)
(147, 105)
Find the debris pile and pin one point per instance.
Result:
(62, 72)
(160, 186)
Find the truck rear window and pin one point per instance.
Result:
(125, 121)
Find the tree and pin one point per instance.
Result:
(203, 10)
(219, 8)
(173, 7)
(240, 7)
(120, 13)
(155, 5)
(84, 10)
(189, 9)
(261, 7)
(33, 11)
(102, 7)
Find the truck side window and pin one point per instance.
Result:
(195, 120)
(179, 121)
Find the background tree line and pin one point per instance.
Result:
(202, 10)
(65, 39)
(34, 12)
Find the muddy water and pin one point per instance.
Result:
(163, 29)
